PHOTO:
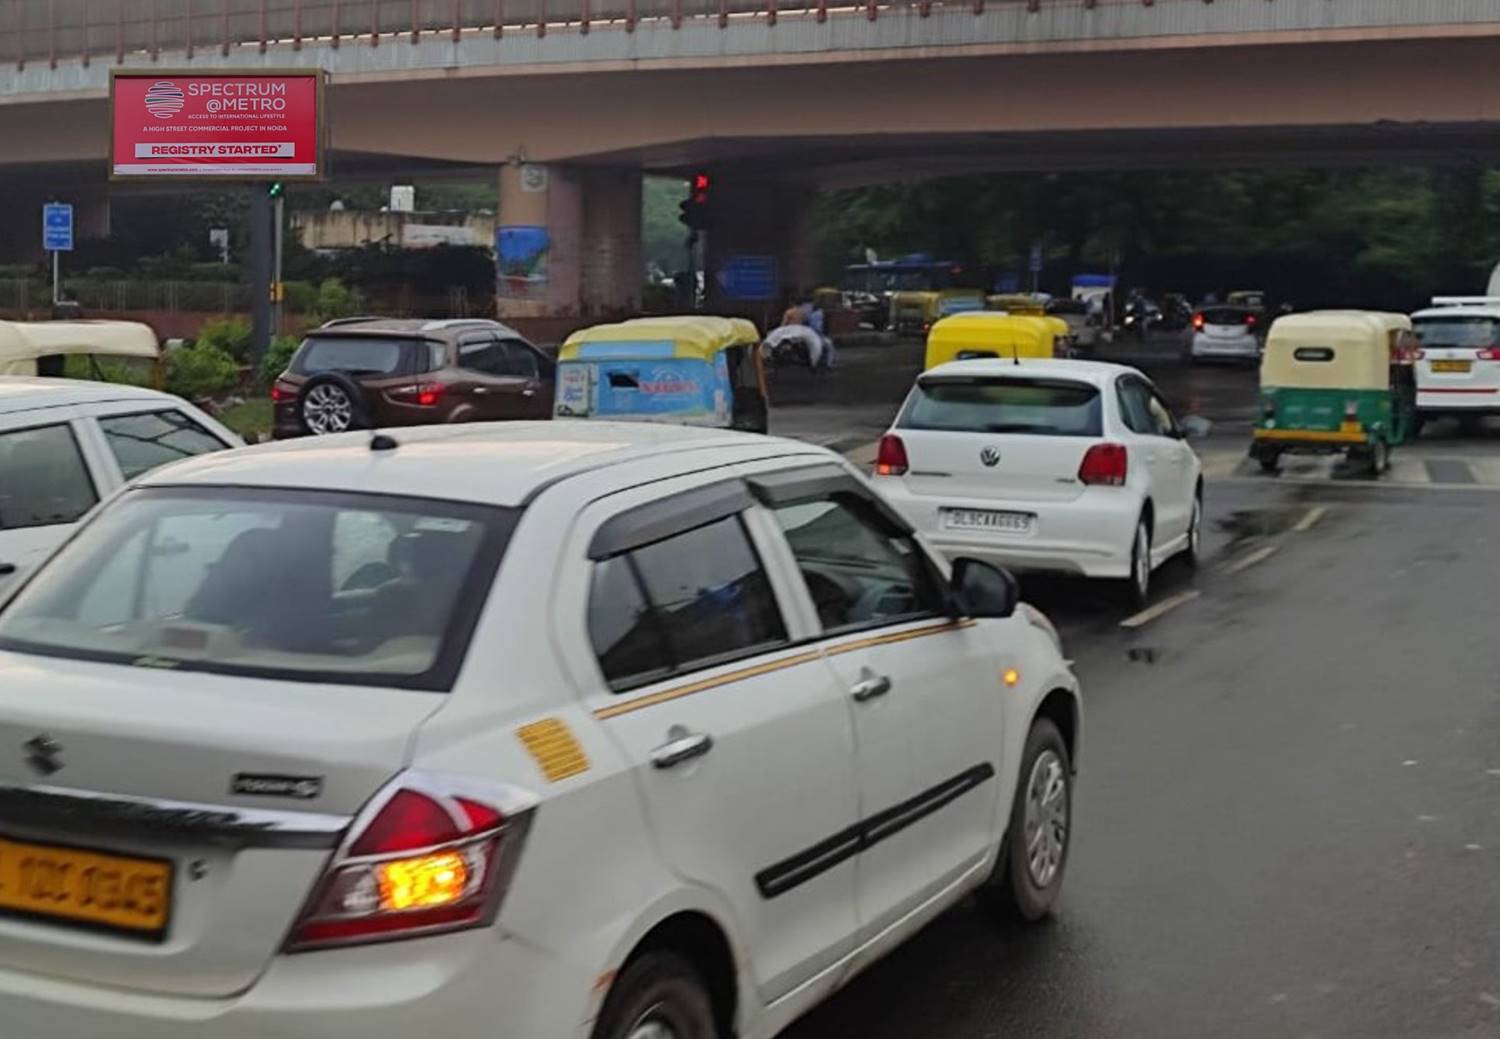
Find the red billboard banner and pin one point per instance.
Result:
(256, 125)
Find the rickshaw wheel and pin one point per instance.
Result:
(1271, 462)
(1380, 457)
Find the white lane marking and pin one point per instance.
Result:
(1310, 518)
(1258, 556)
(1150, 614)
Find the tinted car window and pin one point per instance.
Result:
(518, 359)
(43, 478)
(858, 572)
(687, 601)
(1056, 407)
(483, 355)
(1135, 407)
(1224, 316)
(302, 585)
(357, 356)
(1462, 331)
(1161, 418)
(142, 442)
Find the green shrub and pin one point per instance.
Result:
(336, 300)
(278, 358)
(229, 334)
(301, 297)
(201, 370)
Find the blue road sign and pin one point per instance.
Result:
(749, 277)
(57, 227)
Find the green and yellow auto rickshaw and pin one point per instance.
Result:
(694, 370)
(916, 311)
(1336, 381)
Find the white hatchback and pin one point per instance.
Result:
(1074, 466)
(1225, 333)
(536, 730)
(65, 444)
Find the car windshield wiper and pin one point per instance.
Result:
(1018, 427)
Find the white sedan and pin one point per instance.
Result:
(1074, 466)
(538, 730)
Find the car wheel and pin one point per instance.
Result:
(1193, 552)
(658, 996)
(1028, 874)
(1137, 587)
(331, 403)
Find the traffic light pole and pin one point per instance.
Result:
(261, 262)
(278, 289)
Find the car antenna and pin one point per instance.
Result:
(383, 442)
(1015, 353)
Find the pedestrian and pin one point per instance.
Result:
(815, 321)
(794, 313)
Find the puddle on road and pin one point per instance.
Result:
(1245, 525)
(1142, 654)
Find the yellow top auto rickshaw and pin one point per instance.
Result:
(919, 310)
(963, 337)
(695, 370)
(1017, 303)
(40, 347)
(1336, 381)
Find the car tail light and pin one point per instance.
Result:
(279, 394)
(1198, 322)
(1105, 465)
(423, 858)
(1490, 354)
(1249, 320)
(1419, 354)
(422, 394)
(890, 457)
(1268, 407)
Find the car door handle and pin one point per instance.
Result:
(6, 569)
(481, 391)
(870, 687)
(528, 392)
(681, 746)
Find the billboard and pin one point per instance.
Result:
(254, 125)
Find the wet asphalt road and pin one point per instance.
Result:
(1287, 821)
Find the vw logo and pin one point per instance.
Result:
(42, 754)
(990, 456)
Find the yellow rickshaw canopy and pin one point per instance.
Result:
(992, 332)
(22, 343)
(1334, 349)
(692, 335)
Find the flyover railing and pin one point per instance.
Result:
(53, 31)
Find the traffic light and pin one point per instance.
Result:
(275, 189)
(695, 209)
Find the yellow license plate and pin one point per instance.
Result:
(85, 887)
(1452, 366)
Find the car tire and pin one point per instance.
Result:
(332, 403)
(1024, 886)
(1193, 553)
(661, 988)
(1380, 457)
(1136, 588)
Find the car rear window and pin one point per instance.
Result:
(1224, 316)
(969, 404)
(357, 356)
(304, 585)
(1473, 331)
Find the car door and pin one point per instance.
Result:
(1183, 470)
(49, 478)
(741, 745)
(525, 361)
(492, 389)
(923, 687)
(1154, 447)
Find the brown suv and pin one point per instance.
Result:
(360, 373)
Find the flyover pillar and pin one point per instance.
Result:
(568, 242)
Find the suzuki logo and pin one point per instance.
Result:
(42, 754)
(990, 456)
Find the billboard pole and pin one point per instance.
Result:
(260, 272)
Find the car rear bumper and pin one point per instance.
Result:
(1245, 348)
(466, 984)
(1460, 399)
(1090, 535)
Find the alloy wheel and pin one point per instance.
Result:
(1046, 818)
(651, 1025)
(1141, 562)
(327, 409)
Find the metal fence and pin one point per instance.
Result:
(34, 31)
(22, 297)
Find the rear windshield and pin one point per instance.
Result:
(304, 585)
(1478, 332)
(1224, 316)
(1055, 407)
(371, 356)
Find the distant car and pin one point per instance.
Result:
(65, 444)
(1458, 359)
(648, 731)
(363, 373)
(1226, 333)
(1072, 466)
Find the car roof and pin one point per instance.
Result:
(494, 463)
(420, 328)
(1100, 373)
(1465, 310)
(29, 393)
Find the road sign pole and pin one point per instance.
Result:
(260, 272)
(56, 277)
(278, 290)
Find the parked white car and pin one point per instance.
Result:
(1074, 466)
(537, 730)
(1458, 359)
(1226, 333)
(66, 444)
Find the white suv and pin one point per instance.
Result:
(540, 730)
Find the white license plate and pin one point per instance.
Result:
(986, 519)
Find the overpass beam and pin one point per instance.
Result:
(568, 242)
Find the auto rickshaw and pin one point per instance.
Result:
(963, 337)
(1336, 381)
(42, 347)
(694, 370)
(1017, 303)
(919, 310)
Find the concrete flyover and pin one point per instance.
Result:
(811, 94)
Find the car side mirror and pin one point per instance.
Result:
(1196, 427)
(982, 590)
